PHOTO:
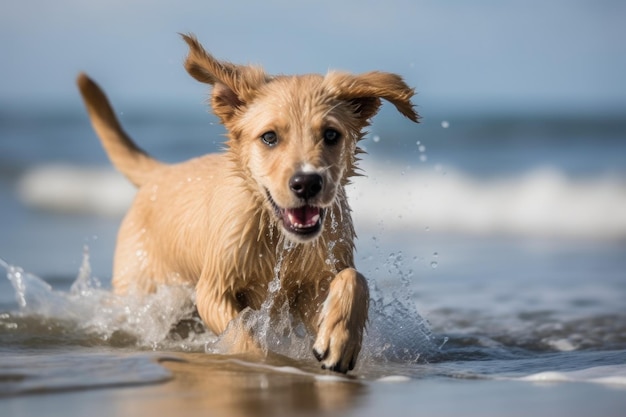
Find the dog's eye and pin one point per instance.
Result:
(331, 136)
(269, 138)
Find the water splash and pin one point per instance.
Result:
(434, 264)
(422, 150)
(396, 331)
(262, 320)
(331, 259)
(88, 314)
(85, 282)
(95, 316)
(272, 326)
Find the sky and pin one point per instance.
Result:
(546, 54)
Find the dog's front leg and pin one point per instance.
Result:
(341, 321)
(216, 308)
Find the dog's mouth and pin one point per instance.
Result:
(304, 221)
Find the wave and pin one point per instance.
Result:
(542, 202)
(74, 189)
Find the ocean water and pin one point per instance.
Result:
(494, 244)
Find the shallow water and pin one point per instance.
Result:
(525, 317)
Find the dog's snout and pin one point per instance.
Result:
(306, 185)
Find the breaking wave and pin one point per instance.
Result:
(542, 202)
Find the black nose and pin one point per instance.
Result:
(306, 185)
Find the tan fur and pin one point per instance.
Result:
(217, 221)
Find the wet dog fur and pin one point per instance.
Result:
(273, 201)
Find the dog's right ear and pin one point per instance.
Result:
(233, 85)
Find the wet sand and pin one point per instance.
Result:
(209, 385)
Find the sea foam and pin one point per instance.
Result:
(74, 189)
(614, 375)
(542, 202)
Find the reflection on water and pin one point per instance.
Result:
(231, 387)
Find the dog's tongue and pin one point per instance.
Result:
(302, 217)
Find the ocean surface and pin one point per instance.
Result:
(494, 244)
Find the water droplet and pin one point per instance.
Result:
(445, 340)
(423, 158)
(445, 124)
(434, 264)
(376, 138)
(422, 148)
(427, 228)
(435, 254)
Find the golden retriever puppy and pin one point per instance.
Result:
(273, 204)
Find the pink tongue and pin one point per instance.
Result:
(303, 216)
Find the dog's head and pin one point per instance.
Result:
(295, 136)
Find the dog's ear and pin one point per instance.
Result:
(364, 91)
(233, 85)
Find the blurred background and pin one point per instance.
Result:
(523, 136)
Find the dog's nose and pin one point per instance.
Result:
(306, 185)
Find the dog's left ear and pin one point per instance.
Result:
(366, 90)
(233, 85)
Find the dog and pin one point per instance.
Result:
(274, 202)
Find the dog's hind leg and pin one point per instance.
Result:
(341, 321)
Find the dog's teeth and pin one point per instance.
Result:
(295, 222)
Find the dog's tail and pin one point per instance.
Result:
(127, 157)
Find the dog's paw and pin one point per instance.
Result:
(334, 356)
(341, 322)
